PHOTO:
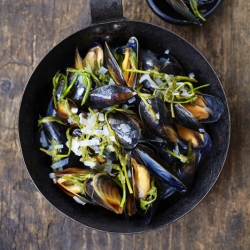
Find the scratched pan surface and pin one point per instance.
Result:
(38, 93)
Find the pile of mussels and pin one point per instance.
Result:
(124, 128)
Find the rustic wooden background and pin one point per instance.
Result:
(28, 29)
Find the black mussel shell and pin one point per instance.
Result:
(78, 91)
(149, 213)
(186, 171)
(105, 192)
(165, 190)
(186, 119)
(167, 157)
(125, 128)
(113, 67)
(170, 65)
(158, 167)
(215, 104)
(164, 126)
(149, 61)
(109, 95)
(55, 131)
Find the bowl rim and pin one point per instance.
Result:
(175, 21)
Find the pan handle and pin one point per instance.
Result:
(106, 10)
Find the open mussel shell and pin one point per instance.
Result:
(158, 167)
(113, 67)
(199, 141)
(70, 188)
(105, 192)
(186, 171)
(164, 126)
(109, 95)
(62, 113)
(131, 77)
(185, 118)
(125, 128)
(94, 55)
(141, 180)
(130, 208)
(206, 109)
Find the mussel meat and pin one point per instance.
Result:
(131, 62)
(72, 186)
(105, 192)
(158, 167)
(206, 108)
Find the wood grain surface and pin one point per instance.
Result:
(28, 29)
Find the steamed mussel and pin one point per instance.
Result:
(126, 128)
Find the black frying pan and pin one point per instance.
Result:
(117, 30)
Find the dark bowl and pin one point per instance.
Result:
(163, 10)
(36, 97)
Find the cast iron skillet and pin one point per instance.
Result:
(38, 93)
(163, 10)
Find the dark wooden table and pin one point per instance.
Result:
(28, 29)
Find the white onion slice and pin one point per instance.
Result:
(191, 75)
(52, 175)
(101, 117)
(103, 71)
(158, 81)
(43, 140)
(131, 100)
(110, 148)
(112, 138)
(111, 81)
(89, 163)
(59, 146)
(74, 110)
(78, 200)
(147, 77)
(106, 130)
(98, 132)
(108, 169)
(59, 164)
(129, 174)
(91, 142)
(166, 51)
